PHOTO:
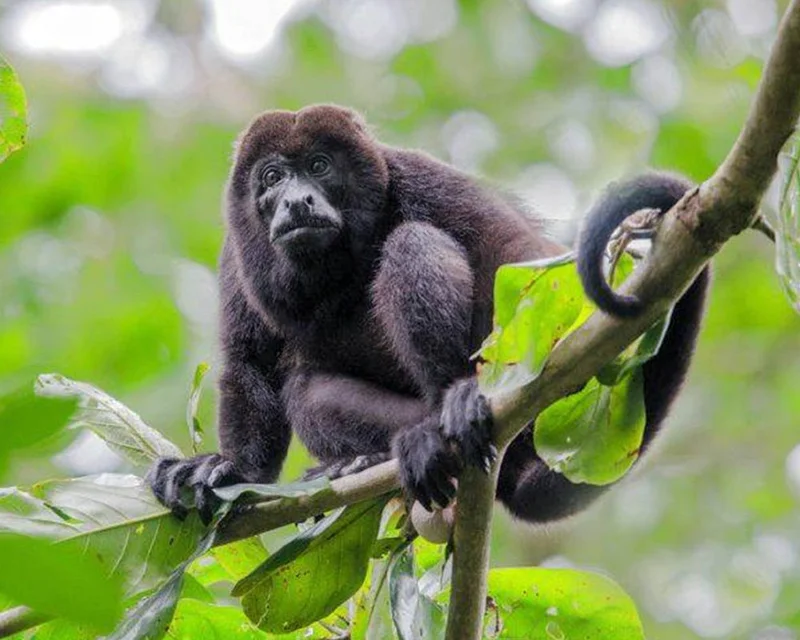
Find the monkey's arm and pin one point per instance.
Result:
(253, 431)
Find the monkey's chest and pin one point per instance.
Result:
(355, 346)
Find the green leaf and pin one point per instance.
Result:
(195, 428)
(113, 518)
(13, 111)
(594, 435)
(58, 580)
(121, 429)
(313, 574)
(26, 420)
(241, 558)
(551, 604)
(416, 617)
(787, 228)
(197, 620)
(535, 304)
(150, 618)
(636, 354)
(305, 488)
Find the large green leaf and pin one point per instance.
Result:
(535, 304)
(26, 420)
(122, 429)
(59, 581)
(200, 621)
(594, 435)
(564, 604)
(231, 562)
(13, 111)
(113, 518)
(313, 574)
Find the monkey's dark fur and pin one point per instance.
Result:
(356, 280)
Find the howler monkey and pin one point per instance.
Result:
(356, 281)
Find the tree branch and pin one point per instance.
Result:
(689, 235)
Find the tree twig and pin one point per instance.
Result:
(762, 226)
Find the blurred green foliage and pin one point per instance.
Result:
(110, 229)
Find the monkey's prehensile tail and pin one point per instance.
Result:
(659, 191)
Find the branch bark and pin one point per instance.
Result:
(690, 234)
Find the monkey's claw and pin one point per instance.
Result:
(427, 465)
(182, 484)
(467, 422)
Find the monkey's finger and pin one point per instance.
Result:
(223, 474)
(157, 476)
(206, 502)
(174, 487)
(445, 489)
(421, 495)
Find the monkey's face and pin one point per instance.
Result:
(309, 182)
(292, 198)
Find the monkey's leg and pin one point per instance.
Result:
(345, 422)
(423, 299)
(535, 493)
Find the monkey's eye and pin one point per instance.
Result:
(271, 176)
(320, 165)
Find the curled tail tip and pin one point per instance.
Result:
(621, 306)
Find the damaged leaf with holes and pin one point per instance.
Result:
(314, 573)
(535, 303)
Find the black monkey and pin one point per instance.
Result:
(356, 280)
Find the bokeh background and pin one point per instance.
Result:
(110, 227)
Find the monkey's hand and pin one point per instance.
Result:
(427, 464)
(467, 423)
(180, 484)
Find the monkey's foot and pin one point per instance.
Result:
(347, 466)
(427, 465)
(467, 422)
(182, 484)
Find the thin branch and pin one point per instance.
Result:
(762, 226)
(689, 235)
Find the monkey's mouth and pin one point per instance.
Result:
(315, 233)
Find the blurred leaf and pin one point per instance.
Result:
(309, 577)
(13, 111)
(594, 435)
(26, 420)
(115, 518)
(549, 604)
(195, 428)
(535, 304)
(59, 581)
(787, 232)
(120, 428)
(416, 617)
